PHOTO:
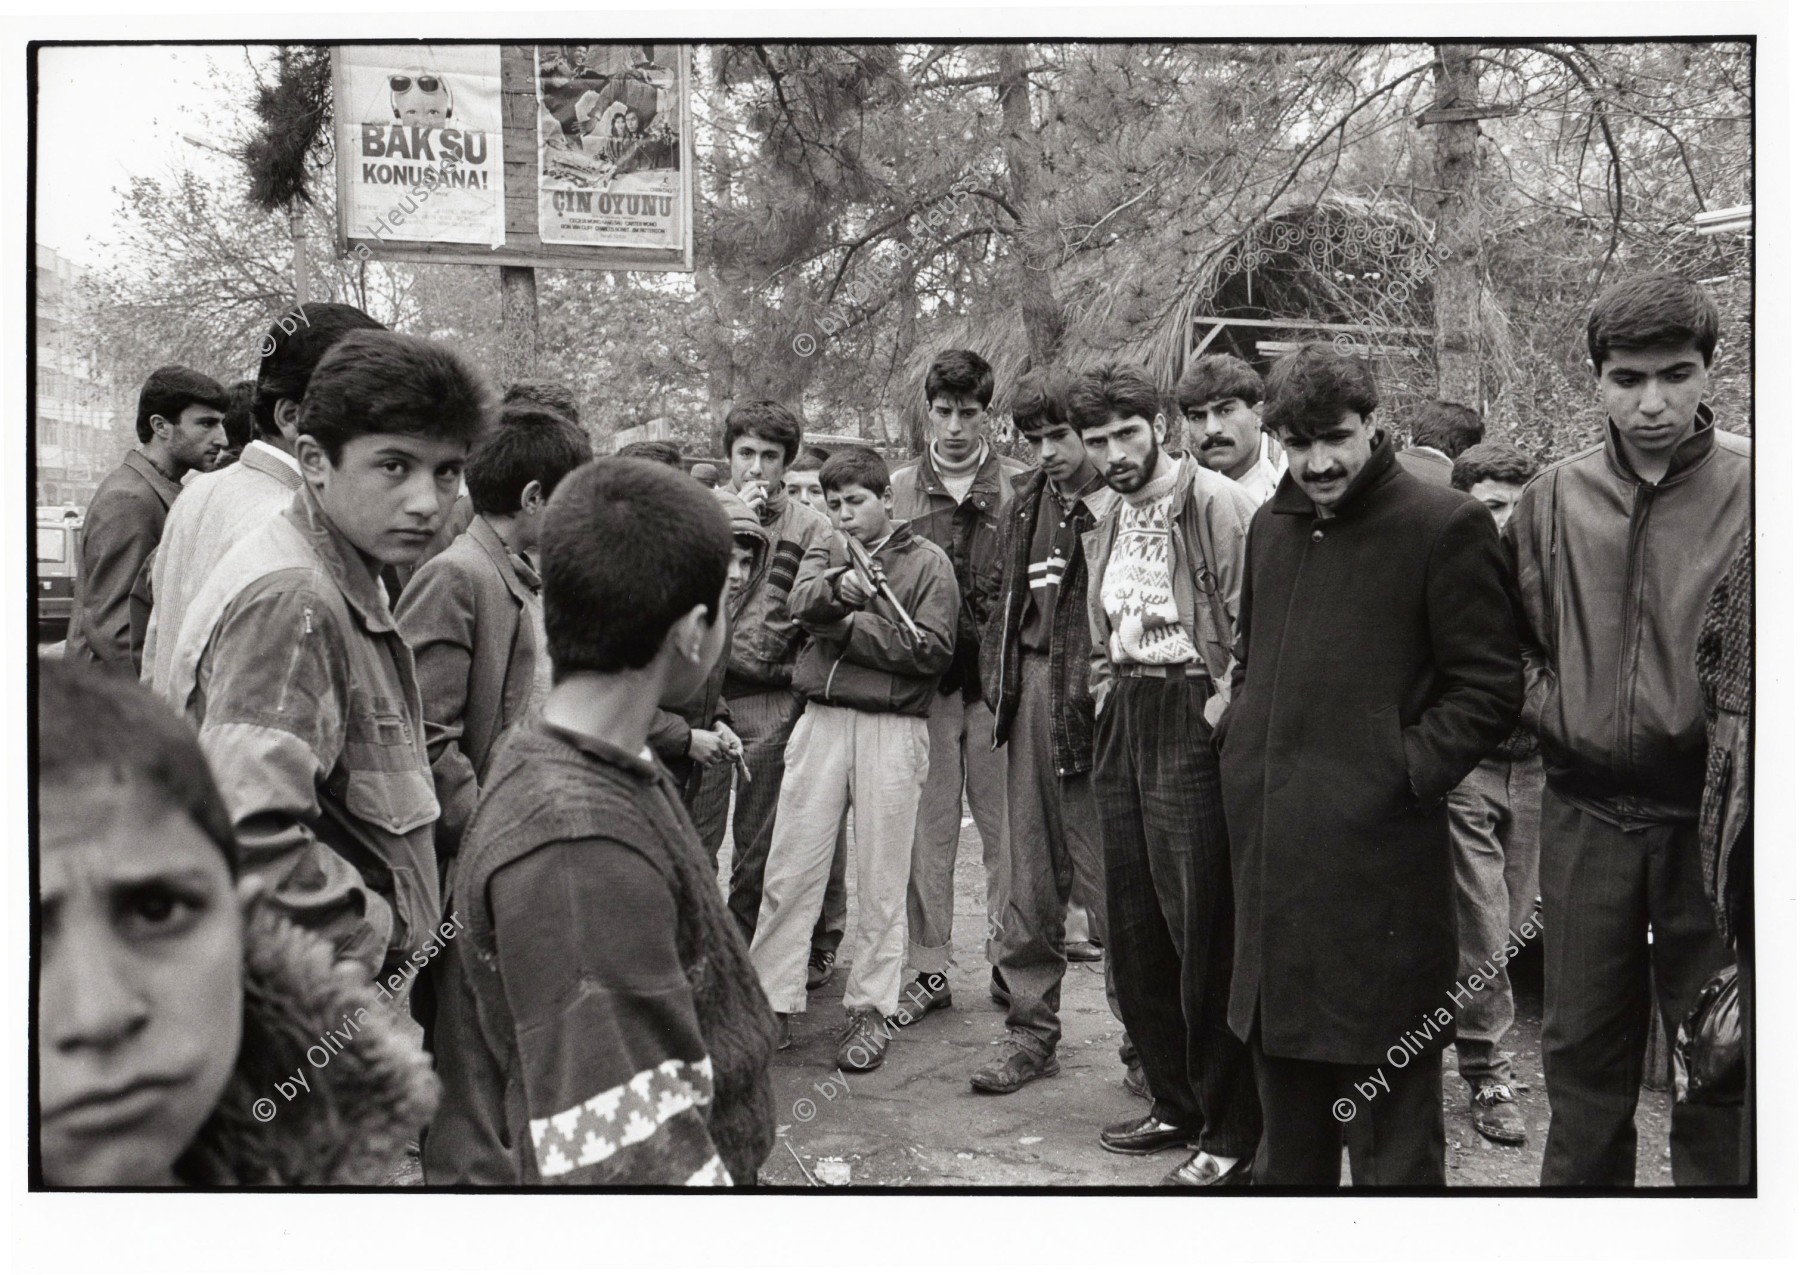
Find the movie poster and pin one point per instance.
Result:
(612, 145)
(419, 143)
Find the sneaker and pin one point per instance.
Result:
(919, 997)
(1495, 1113)
(1086, 950)
(863, 1044)
(1135, 1082)
(818, 968)
(784, 1033)
(1013, 1070)
(997, 991)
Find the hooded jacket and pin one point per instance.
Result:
(866, 658)
(350, 1123)
(765, 640)
(672, 730)
(1614, 574)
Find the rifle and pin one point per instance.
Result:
(864, 564)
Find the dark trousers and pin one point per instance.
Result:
(1169, 906)
(1392, 1117)
(1602, 887)
(763, 720)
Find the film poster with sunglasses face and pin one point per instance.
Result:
(615, 145)
(419, 139)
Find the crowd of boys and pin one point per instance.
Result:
(1297, 734)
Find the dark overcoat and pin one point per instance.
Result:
(1378, 661)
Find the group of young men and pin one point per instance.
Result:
(1274, 724)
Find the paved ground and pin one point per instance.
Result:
(915, 1122)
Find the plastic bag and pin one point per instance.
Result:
(1709, 1047)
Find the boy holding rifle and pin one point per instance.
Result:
(880, 605)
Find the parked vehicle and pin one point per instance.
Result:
(58, 564)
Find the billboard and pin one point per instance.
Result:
(573, 156)
(420, 143)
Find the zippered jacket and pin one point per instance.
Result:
(1208, 521)
(969, 531)
(308, 709)
(866, 658)
(1072, 710)
(1614, 574)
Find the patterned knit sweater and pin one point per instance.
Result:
(601, 1022)
(1138, 590)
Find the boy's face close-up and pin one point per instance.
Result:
(958, 424)
(387, 493)
(857, 511)
(803, 485)
(140, 1010)
(1499, 498)
(743, 565)
(1652, 395)
(1059, 450)
(1326, 464)
(756, 461)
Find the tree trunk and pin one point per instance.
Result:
(1456, 287)
(1038, 306)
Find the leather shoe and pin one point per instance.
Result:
(1203, 1170)
(1144, 1136)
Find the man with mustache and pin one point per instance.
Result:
(1221, 398)
(1377, 663)
(1164, 564)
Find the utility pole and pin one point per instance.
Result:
(520, 351)
(297, 225)
(296, 222)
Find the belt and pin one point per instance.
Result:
(1170, 672)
